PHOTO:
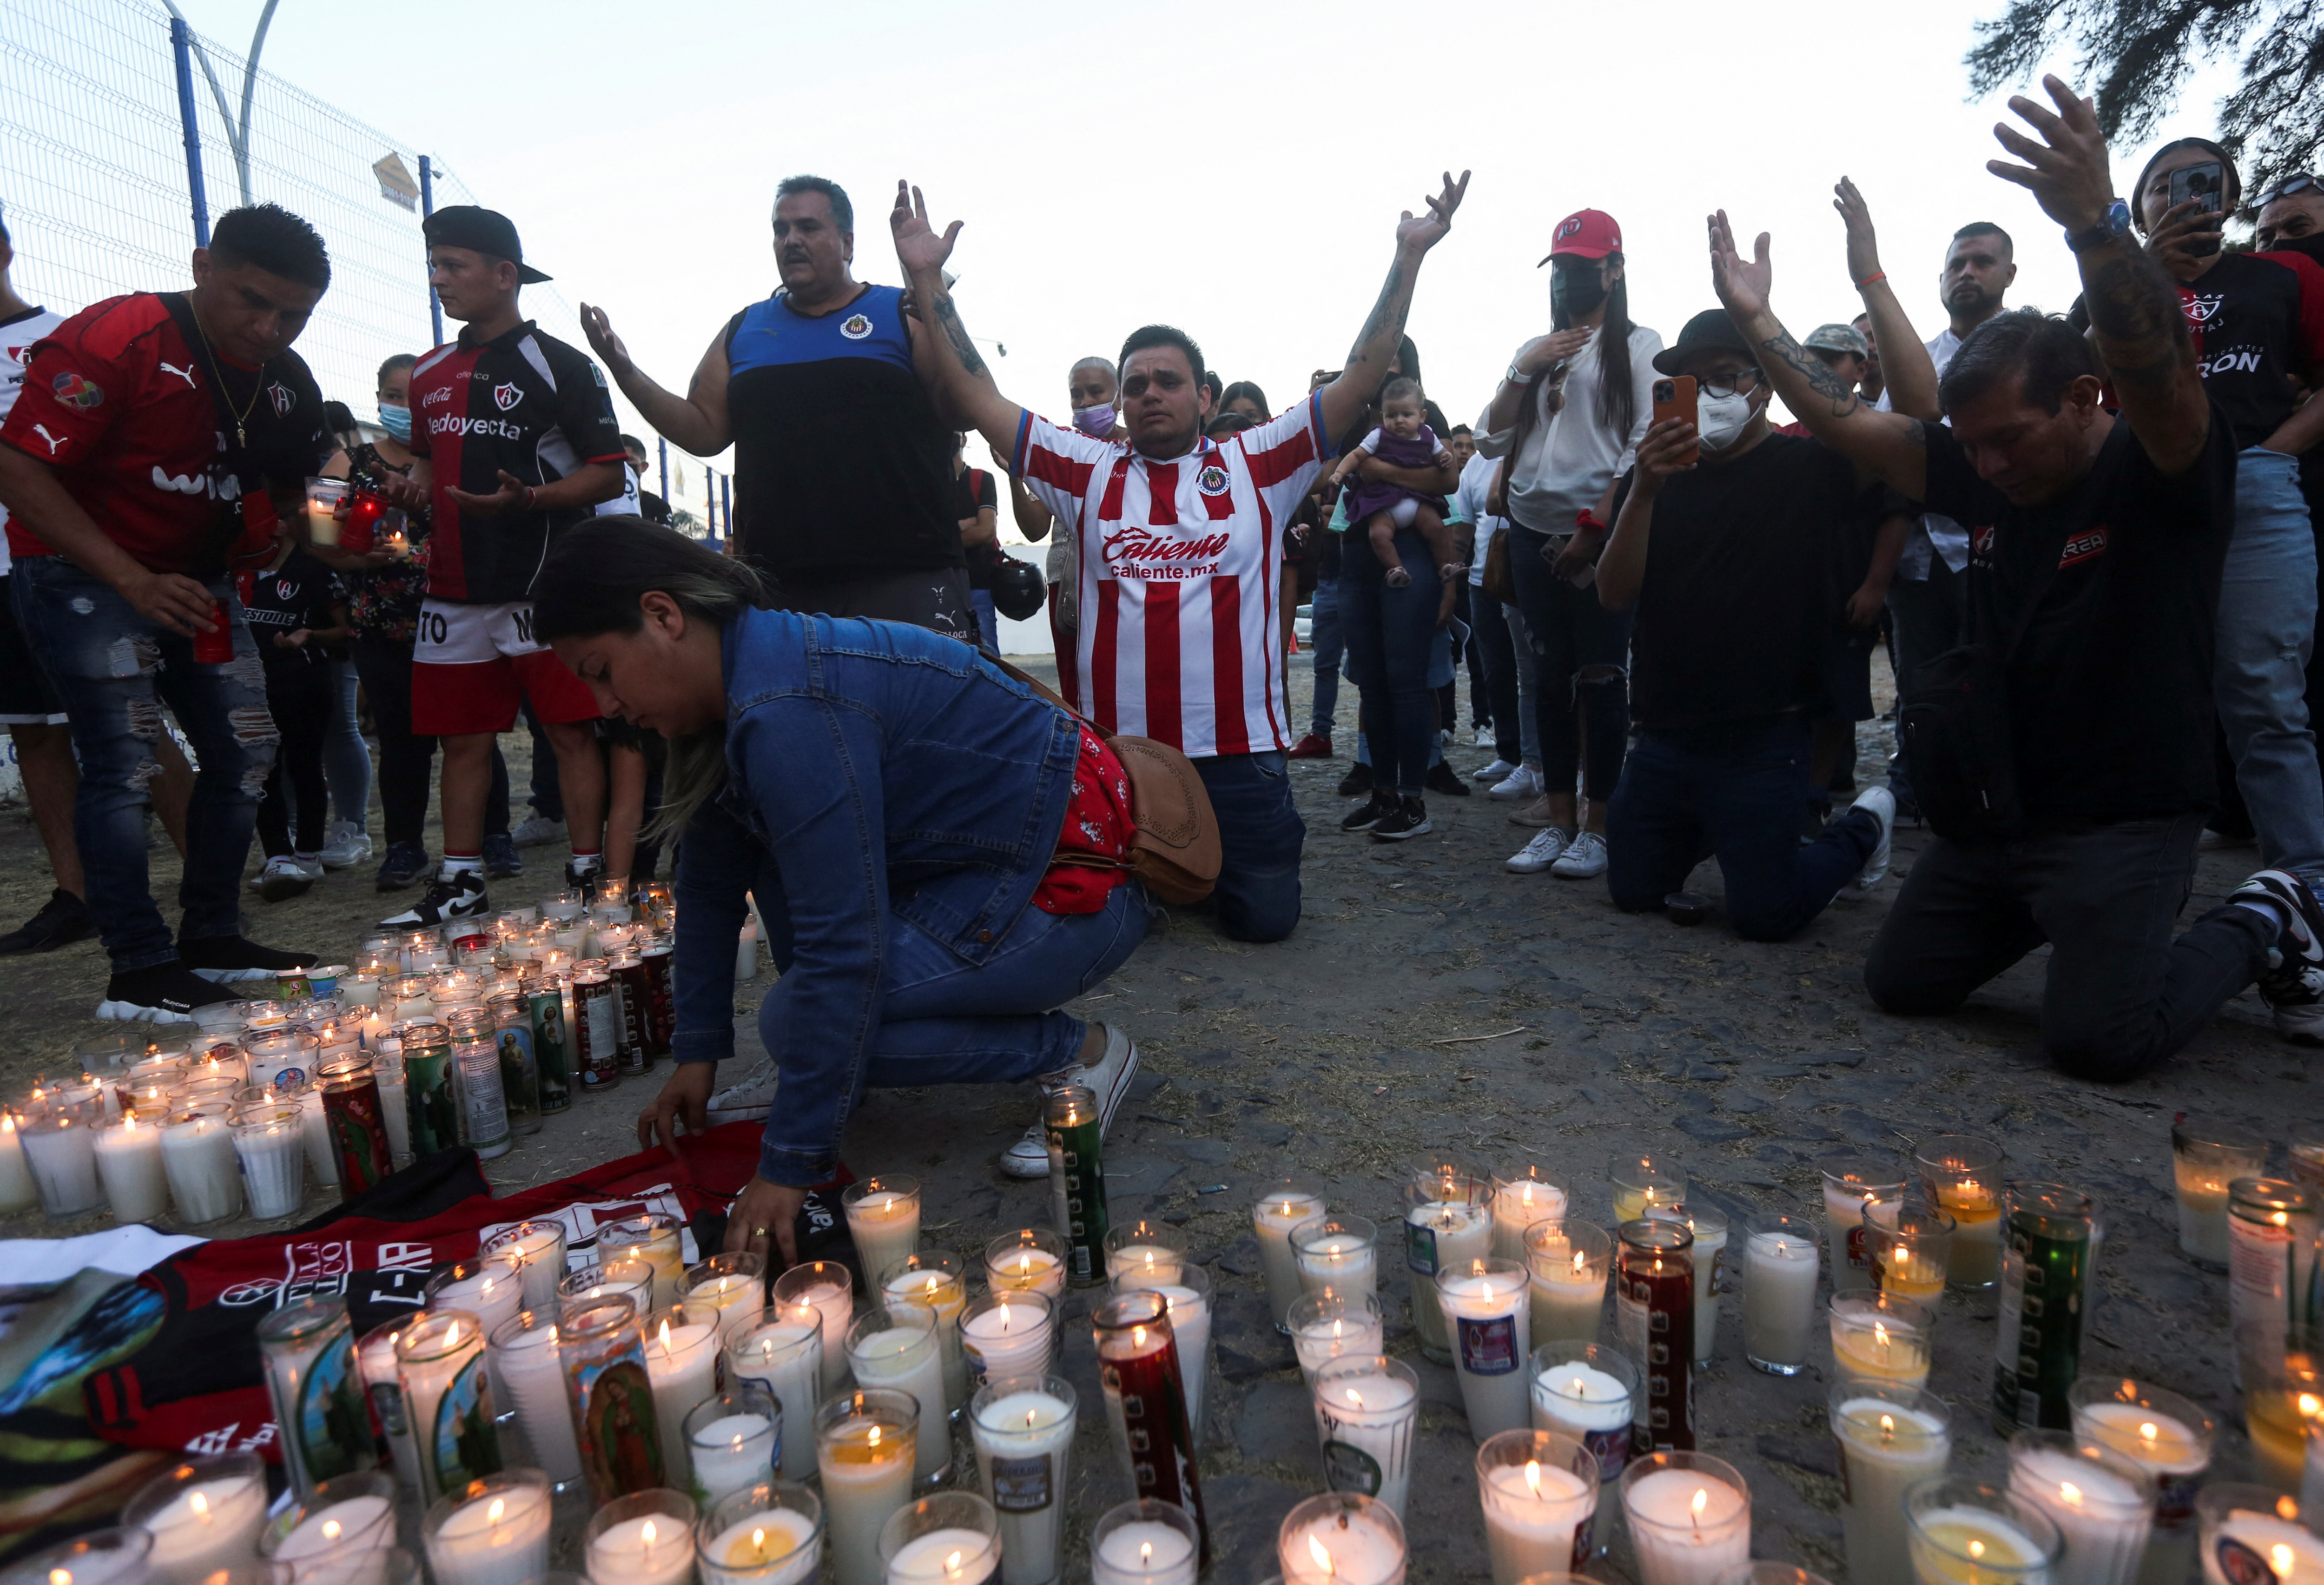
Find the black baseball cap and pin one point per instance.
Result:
(486, 231)
(1708, 330)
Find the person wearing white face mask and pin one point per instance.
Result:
(1732, 566)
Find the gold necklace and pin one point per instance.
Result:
(241, 438)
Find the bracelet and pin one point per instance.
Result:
(528, 497)
(1869, 280)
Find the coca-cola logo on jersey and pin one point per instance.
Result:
(1136, 542)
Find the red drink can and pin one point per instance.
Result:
(216, 648)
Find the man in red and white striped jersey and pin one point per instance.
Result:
(1179, 540)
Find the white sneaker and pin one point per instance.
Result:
(1524, 783)
(1538, 854)
(1881, 805)
(748, 1097)
(538, 831)
(348, 847)
(1482, 738)
(1583, 858)
(1029, 1156)
(286, 877)
(1443, 736)
(1493, 772)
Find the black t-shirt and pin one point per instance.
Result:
(1741, 606)
(973, 489)
(298, 594)
(2111, 688)
(652, 507)
(2258, 322)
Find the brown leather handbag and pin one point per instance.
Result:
(1174, 849)
(1497, 580)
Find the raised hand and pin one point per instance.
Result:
(918, 246)
(1743, 284)
(607, 345)
(1863, 247)
(1418, 234)
(2067, 173)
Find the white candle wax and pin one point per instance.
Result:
(1320, 1342)
(655, 1550)
(531, 1255)
(1007, 1340)
(739, 1300)
(129, 1161)
(273, 1158)
(530, 1364)
(946, 1296)
(1884, 1350)
(1886, 1449)
(375, 1357)
(1033, 1270)
(321, 1159)
(949, 1556)
(1342, 1263)
(1688, 1528)
(2103, 1519)
(1151, 1264)
(1519, 1203)
(1361, 1551)
(1438, 1236)
(682, 1364)
(210, 1526)
(1779, 1290)
(501, 1539)
(16, 1191)
(355, 1522)
(395, 1111)
(1486, 1317)
(2171, 1451)
(1843, 1212)
(63, 1162)
(741, 1553)
(1022, 1442)
(2202, 1208)
(1145, 1552)
(886, 1227)
(786, 1358)
(1590, 1405)
(1271, 1221)
(837, 1304)
(1365, 1421)
(360, 990)
(2274, 1550)
(492, 1294)
(731, 1453)
(1532, 1512)
(1569, 1299)
(1997, 1543)
(909, 1360)
(1709, 1254)
(204, 1177)
(863, 1482)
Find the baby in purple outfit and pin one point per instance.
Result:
(1377, 509)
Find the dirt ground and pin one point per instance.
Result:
(1431, 1001)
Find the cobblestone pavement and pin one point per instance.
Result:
(1327, 1053)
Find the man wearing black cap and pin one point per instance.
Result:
(515, 438)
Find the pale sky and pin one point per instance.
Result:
(1237, 171)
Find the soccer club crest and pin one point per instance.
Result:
(76, 392)
(281, 395)
(506, 396)
(1212, 480)
(855, 328)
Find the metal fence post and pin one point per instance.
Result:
(181, 45)
(427, 209)
(665, 467)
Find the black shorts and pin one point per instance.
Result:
(27, 697)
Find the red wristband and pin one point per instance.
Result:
(528, 497)
(1588, 519)
(1869, 280)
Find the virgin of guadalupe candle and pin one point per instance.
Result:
(273, 1156)
(16, 1191)
(898, 1350)
(490, 1531)
(1654, 1312)
(1281, 1207)
(524, 1349)
(830, 1287)
(1338, 1253)
(682, 1364)
(1539, 1491)
(60, 1145)
(1077, 1197)
(1689, 1515)
(2102, 1504)
(440, 1361)
(535, 1251)
(129, 1161)
(735, 1441)
(1023, 1427)
(2168, 1436)
(2206, 1157)
(1485, 1303)
(1032, 1260)
(1007, 1334)
(865, 1450)
(308, 1349)
(1366, 1409)
(353, 1117)
(1963, 1176)
(204, 1516)
(1341, 1539)
(1591, 1392)
(1189, 1298)
(1643, 1183)
(1962, 1532)
(1144, 1400)
(1327, 1325)
(612, 1398)
(784, 1355)
(1779, 1293)
(933, 1278)
(1447, 1223)
(653, 1237)
(1570, 1262)
(771, 1534)
(883, 1217)
(1889, 1439)
(2038, 1342)
(1851, 1183)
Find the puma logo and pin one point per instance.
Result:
(55, 444)
(186, 374)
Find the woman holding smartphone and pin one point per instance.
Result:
(1566, 422)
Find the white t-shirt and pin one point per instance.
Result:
(1469, 500)
(17, 337)
(1571, 458)
(1933, 534)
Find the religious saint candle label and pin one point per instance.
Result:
(1023, 1486)
(1420, 1249)
(465, 1445)
(387, 1406)
(620, 1440)
(1347, 1467)
(518, 1082)
(1612, 1449)
(334, 1431)
(552, 1058)
(661, 1005)
(1488, 1347)
(2241, 1564)
(1077, 1189)
(2175, 1499)
(1859, 1254)
(2038, 1343)
(599, 1035)
(427, 1097)
(635, 993)
(358, 1133)
(1581, 1541)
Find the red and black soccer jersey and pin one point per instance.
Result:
(522, 402)
(120, 403)
(2258, 322)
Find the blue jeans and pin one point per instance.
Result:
(116, 670)
(1261, 838)
(1393, 647)
(1734, 793)
(1324, 639)
(988, 618)
(2259, 677)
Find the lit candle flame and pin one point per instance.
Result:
(1701, 1501)
(1887, 1428)
(1976, 1549)
(646, 1535)
(452, 1334)
(1355, 1397)
(492, 1515)
(876, 1436)
(330, 1529)
(1145, 1557)
(59, 1576)
(1337, 1327)
(1880, 1336)
(2280, 1558)
(1533, 1478)
(1137, 1337)
(1024, 1268)
(1003, 1309)
(200, 1504)
(951, 1563)
(665, 1337)
(2068, 1492)
(1029, 1415)
(1580, 1261)
(1316, 1550)
(758, 1541)
(2146, 1433)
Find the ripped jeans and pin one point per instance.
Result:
(115, 670)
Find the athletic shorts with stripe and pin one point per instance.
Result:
(470, 665)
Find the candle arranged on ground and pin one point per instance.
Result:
(493, 1531)
(1327, 1325)
(2253, 1533)
(950, 1538)
(1485, 1310)
(1911, 1247)
(2205, 1158)
(307, 1347)
(898, 1350)
(1690, 1517)
(1075, 1131)
(1521, 1197)
(784, 1354)
(865, 1452)
(1590, 1393)
(1007, 1333)
(1144, 1543)
(375, 1357)
(1569, 1262)
(1643, 1183)
(525, 1350)
(1779, 1291)
(268, 1141)
(2102, 1503)
(1539, 1491)
(1654, 1316)
(1710, 1255)
(1338, 1253)
(1963, 1175)
(1888, 1438)
(439, 1362)
(2167, 1435)
(2038, 1345)
(830, 1287)
(734, 1439)
(733, 1285)
(653, 1237)
(1145, 1402)
(682, 1364)
(1151, 1251)
(535, 1250)
(197, 1155)
(1962, 1532)
(332, 1537)
(1366, 1409)
(933, 1279)
(1881, 1337)
(646, 1539)
(884, 1216)
(204, 1516)
(129, 1162)
(1447, 1223)
(1023, 1429)
(1030, 1260)
(1851, 1183)
(1282, 1208)
(1341, 1539)
(17, 1189)
(488, 1290)
(771, 1534)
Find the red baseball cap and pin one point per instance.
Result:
(1589, 234)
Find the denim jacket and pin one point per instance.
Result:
(888, 770)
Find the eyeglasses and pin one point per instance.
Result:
(2300, 182)
(1741, 383)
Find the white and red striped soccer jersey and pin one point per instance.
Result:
(1180, 637)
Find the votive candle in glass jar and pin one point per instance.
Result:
(1281, 1208)
(1645, 1182)
(1966, 1532)
(307, 1347)
(681, 1346)
(733, 1440)
(1023, 1430)
(864, 1450)
(524, 1350)
(1032, 1259)
(2206, 1157)
(933, 1278)
(1075, 1132)
(2168, 1435)
(1592, 1393)
(1189, 1301)
(1367, 1411)
(1851, 1183)
(784, 1354)
(1145, 1542)
(1881, 1337)
(129, 1163)
(1144, 1400)
(1327, 1325)
(1448, 1222)
(1963, 1175)
(492, 1529)
(1340, 1538)
(735, 1285)
(1007, 1333)
(204, 1516)
(1523, 1194)
(612, 1397)
(654, 1238)
(354, 1115)
(439, 1362)
(1339, 1253)
(1485, 1312)
(950, 1538)
(1779, 1285)
(269, 1141)
(2102, 1503)
(898, 1349)
(60, 1145)
(1539, 1491)
(1689, 1516)
(1654, 1314)
(770, 1534)
(1569, 1261)
(197, 1153)
(830, 1287)
(2049, 1249)
(1911, 1245)
(1888, 1438)
(535, 1250)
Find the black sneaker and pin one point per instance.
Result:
(1357, 782)
(2293, 985)
(501, 860)
(167, 993)
(1441, 778)
(461, 897)
(62, 920)
(578, 879)
(1365, 816)
(405, 865)
(227, 959)
(1410, 818)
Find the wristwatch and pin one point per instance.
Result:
(1515, 378)
(2115, 223)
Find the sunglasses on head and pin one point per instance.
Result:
(2299, 183)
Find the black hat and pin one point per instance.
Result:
(1708, 330)
(486, 231)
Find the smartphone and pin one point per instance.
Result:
(1674, 398)
(2205, 185)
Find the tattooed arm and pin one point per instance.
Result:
(1345, 399)
(1885, 446)
(1911, 373)
(959, 369)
